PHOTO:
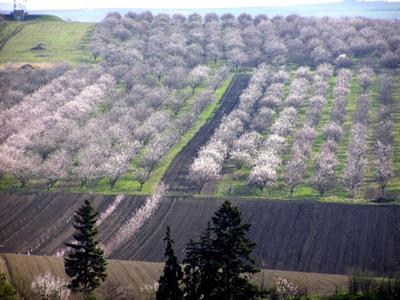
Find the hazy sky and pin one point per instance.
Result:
(70, 4)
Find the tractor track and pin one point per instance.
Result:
(7, 37)
(177, 174)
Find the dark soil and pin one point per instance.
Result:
(177, 174)
(38, 47)
(290, 235)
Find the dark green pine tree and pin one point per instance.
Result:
(191, 280)
(169, 282)
(201, 269)
(234, 263)
(208, 258)
(85, 264)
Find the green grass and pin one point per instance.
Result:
(394, 183)
(63, 41)
(347, 124)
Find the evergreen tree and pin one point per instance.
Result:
(208, 264)
(233, 249)
(169, 282)
(85, 264)
(201, 273)
(192, 271)
(216, 266)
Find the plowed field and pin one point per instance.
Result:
(296, 235)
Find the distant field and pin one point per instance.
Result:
(134, 275)
(61, 41)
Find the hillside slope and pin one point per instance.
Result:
(134, 275)
(302, 236)
(45, 41)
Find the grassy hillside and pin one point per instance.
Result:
(135, 275)
(59, 41)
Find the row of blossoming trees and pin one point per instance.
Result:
(89, 123)
(80, 125)
(274, 138)
(244, 40)
(157, 73)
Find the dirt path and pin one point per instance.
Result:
(177, 174)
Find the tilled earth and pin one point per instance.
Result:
(290, 235)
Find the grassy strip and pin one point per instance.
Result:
(371, 139)
(394, 183)
(325, 115)
(63, 41)
(127, 186)
(347, 124)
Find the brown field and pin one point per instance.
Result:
(303, 236)
(134, 275)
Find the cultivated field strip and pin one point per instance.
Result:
(207, 165)
(136, 275)
(322, 237)
(176, 177)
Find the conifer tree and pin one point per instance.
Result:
(85, 264)
(208, 264)
(201, 274)
(233, 249)
(216, 266)
(192, 271)
(169, 282)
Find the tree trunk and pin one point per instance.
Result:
(201, 187)
(291, 191)
(83, 182)
(23, 182)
